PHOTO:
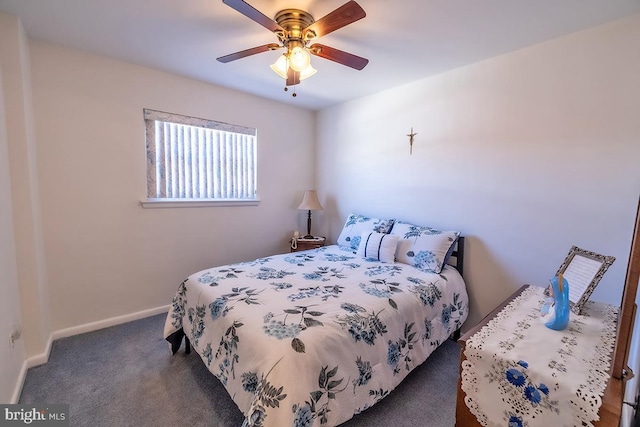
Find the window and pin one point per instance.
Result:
(191, 159)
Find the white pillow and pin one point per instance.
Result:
(378, 246)
(358, 224)
(423, 247)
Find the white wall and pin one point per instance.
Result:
(11, 359)
(106, 255)
(22, 251)
(527, 154)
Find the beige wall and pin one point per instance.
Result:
(106, 255)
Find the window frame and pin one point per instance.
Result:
(150, 118)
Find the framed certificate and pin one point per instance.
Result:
(583, 270)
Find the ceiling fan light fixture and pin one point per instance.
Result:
(280, 66)
(299, 59)
(307, 72)
(295, 29)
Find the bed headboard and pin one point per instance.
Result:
(457, 256)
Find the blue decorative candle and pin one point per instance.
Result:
(558, 317)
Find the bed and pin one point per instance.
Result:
(312, 338)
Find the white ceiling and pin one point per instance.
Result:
(405, 40)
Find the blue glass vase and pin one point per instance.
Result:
(558, 318)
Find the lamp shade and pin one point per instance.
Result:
(310, 201)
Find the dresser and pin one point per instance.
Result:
(609, 412)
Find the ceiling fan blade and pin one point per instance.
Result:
(342, 16)
(293, 77)
(254, 14)
(248, 52)
(339, 56)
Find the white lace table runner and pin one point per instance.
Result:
(518, 372)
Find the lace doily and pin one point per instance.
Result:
(519, 372)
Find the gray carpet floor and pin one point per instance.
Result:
(125, 375)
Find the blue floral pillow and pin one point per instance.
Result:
(423, 247)
(358, 224)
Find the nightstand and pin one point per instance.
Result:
(306, 244)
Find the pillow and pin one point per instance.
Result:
(357, 224)
(423, 247)
(378, 246)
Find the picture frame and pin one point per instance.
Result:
(583, 270)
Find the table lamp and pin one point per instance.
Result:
(310, 202)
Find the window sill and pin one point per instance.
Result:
(196, 203)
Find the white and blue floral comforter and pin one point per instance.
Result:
(312, 338)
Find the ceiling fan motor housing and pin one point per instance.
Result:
(294, 21)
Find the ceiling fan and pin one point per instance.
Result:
(295, 30)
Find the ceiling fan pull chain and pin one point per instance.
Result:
(286, 88)
(294, 86)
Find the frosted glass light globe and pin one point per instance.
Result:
(299, 59)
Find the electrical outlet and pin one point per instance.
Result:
(16, 334)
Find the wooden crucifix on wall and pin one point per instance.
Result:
(411, 135)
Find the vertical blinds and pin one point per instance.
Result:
(193, 162)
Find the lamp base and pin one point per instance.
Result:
(308, 236)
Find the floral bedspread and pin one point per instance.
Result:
(312, 338)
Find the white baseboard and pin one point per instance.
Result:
(18, 389)
(101, 324)
(41, 359)
(38, 359)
